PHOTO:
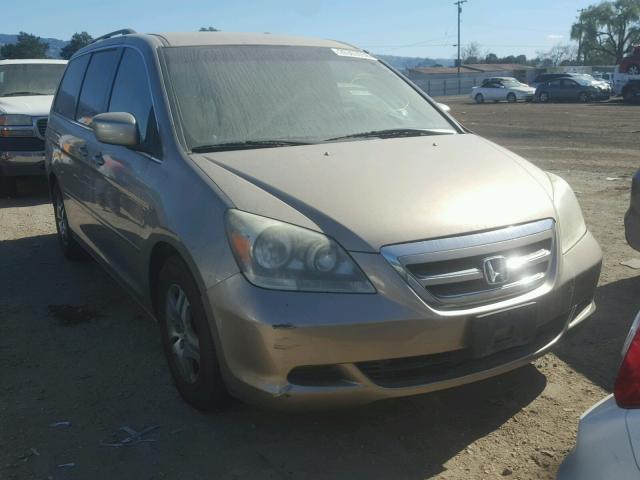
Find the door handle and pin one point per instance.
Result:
(82, 150)
(98, 159)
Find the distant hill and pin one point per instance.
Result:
(402, 63)
(55, 45)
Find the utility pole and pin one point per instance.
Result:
(459, 4)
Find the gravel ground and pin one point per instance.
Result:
(103, 368)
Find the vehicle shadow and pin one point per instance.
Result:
(108, 370)
(594, 348)
(31, 191)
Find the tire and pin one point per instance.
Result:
(186, 338)
(70, 247)
(7, 186)
(583, 97)
(544, 97)
(633, 69)
(479, 98)
(511, 98)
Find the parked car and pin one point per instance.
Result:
(608, 443)
(632, 217)
(631, 63)
(502, 88)
(300, 243)
(26, 92)
(631, 91)
(547, 77)
(602, 84)
(570, 89)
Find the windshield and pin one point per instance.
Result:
(248, 94)
(30, 78)
(512, 84)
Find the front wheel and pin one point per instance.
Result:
(543, 97)
(69, 245)
(186, 338)
(479, 98)
(511, 98)
(583, 97)
(633, 70)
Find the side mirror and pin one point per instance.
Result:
(444, 107)
(116, 128)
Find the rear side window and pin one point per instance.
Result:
(97, 85)
(67, 96)
(131, 94)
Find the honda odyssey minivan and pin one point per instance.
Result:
(308, 228)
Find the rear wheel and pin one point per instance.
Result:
(69, 245)
(511, 98)
(186, 338)
(633, 69)
(7, 186)
(544, 97)
(479, 98)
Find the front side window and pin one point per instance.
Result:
(235, 94)
(65, 103)
(97, 85)
(22, 79)
(131, 94)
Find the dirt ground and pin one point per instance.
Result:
(104, 368)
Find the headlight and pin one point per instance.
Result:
(571, 224)
(281, 256)
(15, 120)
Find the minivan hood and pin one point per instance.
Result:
(34, 105)
(367, 194)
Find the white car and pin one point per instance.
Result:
(26, 92)
(502, 88)
(608, 445)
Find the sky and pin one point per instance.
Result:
(424, 28)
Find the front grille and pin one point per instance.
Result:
(41, 125)
(478, 268)
(21, 144)
(425, 369)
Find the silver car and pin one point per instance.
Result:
(608, 443)
(308, 228)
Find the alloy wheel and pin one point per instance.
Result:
(183, 336)
(61, 219)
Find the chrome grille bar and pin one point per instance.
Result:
(451, 272)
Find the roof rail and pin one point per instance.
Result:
(124, 31)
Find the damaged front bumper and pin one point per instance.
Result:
(309, 350)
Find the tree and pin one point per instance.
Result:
(27, 46)
(208, 29)
(470, 53)
(78, 40)
(491, 58)
(605, 31)
(560, 54)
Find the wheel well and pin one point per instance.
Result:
(52, 181)
(159, 254)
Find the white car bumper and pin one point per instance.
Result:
(604, 448)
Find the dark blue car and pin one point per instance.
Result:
(570, 89)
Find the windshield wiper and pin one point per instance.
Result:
(16, 94)
(220, 147)
(395, 133)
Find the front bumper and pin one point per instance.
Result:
(14, 164)
(603, 447)
(295, 349)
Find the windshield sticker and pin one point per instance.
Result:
(343, 52)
